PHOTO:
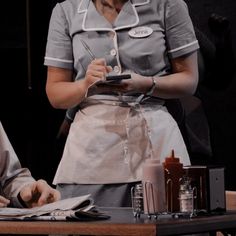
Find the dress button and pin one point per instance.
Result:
(113, 52)
(116, 69)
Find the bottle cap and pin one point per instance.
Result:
(172, 158)
(185, 183)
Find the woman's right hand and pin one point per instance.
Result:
(63, 92)
(4, 202)
(97, 71)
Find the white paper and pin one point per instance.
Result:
(63, 206)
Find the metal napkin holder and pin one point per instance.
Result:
(137, 195)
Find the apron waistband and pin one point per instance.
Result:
(122, 100)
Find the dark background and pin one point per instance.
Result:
(32, 124)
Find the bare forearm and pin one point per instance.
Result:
(64, 95)
(183, 81)
(175, 85)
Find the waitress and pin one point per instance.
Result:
(116, 127)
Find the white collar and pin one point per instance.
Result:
(83, 6)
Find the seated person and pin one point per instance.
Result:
(17, 187)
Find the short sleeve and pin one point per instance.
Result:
(59, 46)
(180, 35)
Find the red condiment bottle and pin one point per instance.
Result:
(173, 174)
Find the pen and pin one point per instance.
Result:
(88, 49)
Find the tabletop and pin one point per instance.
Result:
(123, 222)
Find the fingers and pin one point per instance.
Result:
(47, 193)
(4, 202)
(109, 69)
(97, 70)
(27, 192)
(38, 194)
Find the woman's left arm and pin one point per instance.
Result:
(181, 82)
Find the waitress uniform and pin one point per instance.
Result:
(111, 136)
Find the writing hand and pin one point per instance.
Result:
(39, 193)
(97, 71)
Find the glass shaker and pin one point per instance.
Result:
(186, 196)
(137, 199)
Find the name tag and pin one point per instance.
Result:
(140, 32)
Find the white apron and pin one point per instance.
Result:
(109, 140)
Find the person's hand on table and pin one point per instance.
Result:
(38, 193)
(4, 201)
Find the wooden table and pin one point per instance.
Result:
(122, 222)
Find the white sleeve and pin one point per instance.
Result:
(12, 176)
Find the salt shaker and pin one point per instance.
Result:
(137, 199)
(186, 196)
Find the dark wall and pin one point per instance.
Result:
(219, 101)
(32, 124)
